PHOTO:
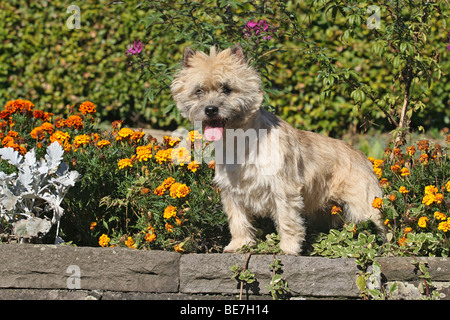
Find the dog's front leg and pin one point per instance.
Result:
(241, 229)
(290, 226)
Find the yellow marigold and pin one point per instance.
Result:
(438, 198)
(81, 140)
(428, 199)
(124, 133)
(143, 153)
(431, 190)
(404, 172)
(170, 212)
(159, 191)
(163, 155)
(440, 216)
(103, 241)
(130, 243)
(423, 222)
(336, 210)
(103, 143)
(178, 190)
(403, 190)
(181, 156)
(395, 168)
(87, 107)
(194, 135)
(444, 226)
(193, 165)
(125, 163)
(171, 141)
(377, 203)
(448, 186)
(60, 136)
(168, 182)
(386, 222)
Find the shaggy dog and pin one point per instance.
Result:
(265, 167)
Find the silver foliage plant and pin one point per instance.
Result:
(36, 190)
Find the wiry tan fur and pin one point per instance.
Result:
(312, 172)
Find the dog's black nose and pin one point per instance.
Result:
(211, 111)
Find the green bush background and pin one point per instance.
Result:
(53, 66)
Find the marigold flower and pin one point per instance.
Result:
(168, 182)
(81, 140)
(336, 210)
(163, 155)
(143, 153)
(103, 143)
(395, 168)
(170, 212)
(60, 136)
(431, 190)
(93, 225)
(424, 158)
(402, 241)
(194, 135)
(403, 190)
(377, 203)
(137, 136)
(444, 226)
(181, 156)
(169, 227)
(386, 222)
(448, 186)
(404, 172)
(159, 191)
(411, 150)
(87, 107)
(384, 182)
(74, 121)
(193, 165)
(423, 222)
(178, 190)
(423, 145)
(392, 197)
(171, 141)
(103, 241)
(179, 248)
(37, 133)
(130, 243)
(440, 216)
(125, 163)
(407, 230)
(149, 237)
(124, 133)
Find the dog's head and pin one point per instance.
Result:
(219, 89)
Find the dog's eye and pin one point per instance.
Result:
(199, 92)
(226, 90)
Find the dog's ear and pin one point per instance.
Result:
(188, 53)
(238, 52)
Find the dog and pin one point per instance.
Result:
(283, 173)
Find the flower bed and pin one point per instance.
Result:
(140, 193)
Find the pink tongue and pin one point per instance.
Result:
(213, 133)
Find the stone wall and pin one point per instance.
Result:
(68, 272)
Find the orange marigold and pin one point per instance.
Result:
(74, 121)
(377, 203)
(103, 143)
(87, 107)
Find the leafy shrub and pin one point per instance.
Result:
(55, 66)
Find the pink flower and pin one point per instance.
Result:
(135, 48)
(258, 28)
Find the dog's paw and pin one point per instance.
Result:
(235, 245)
(291, 248)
